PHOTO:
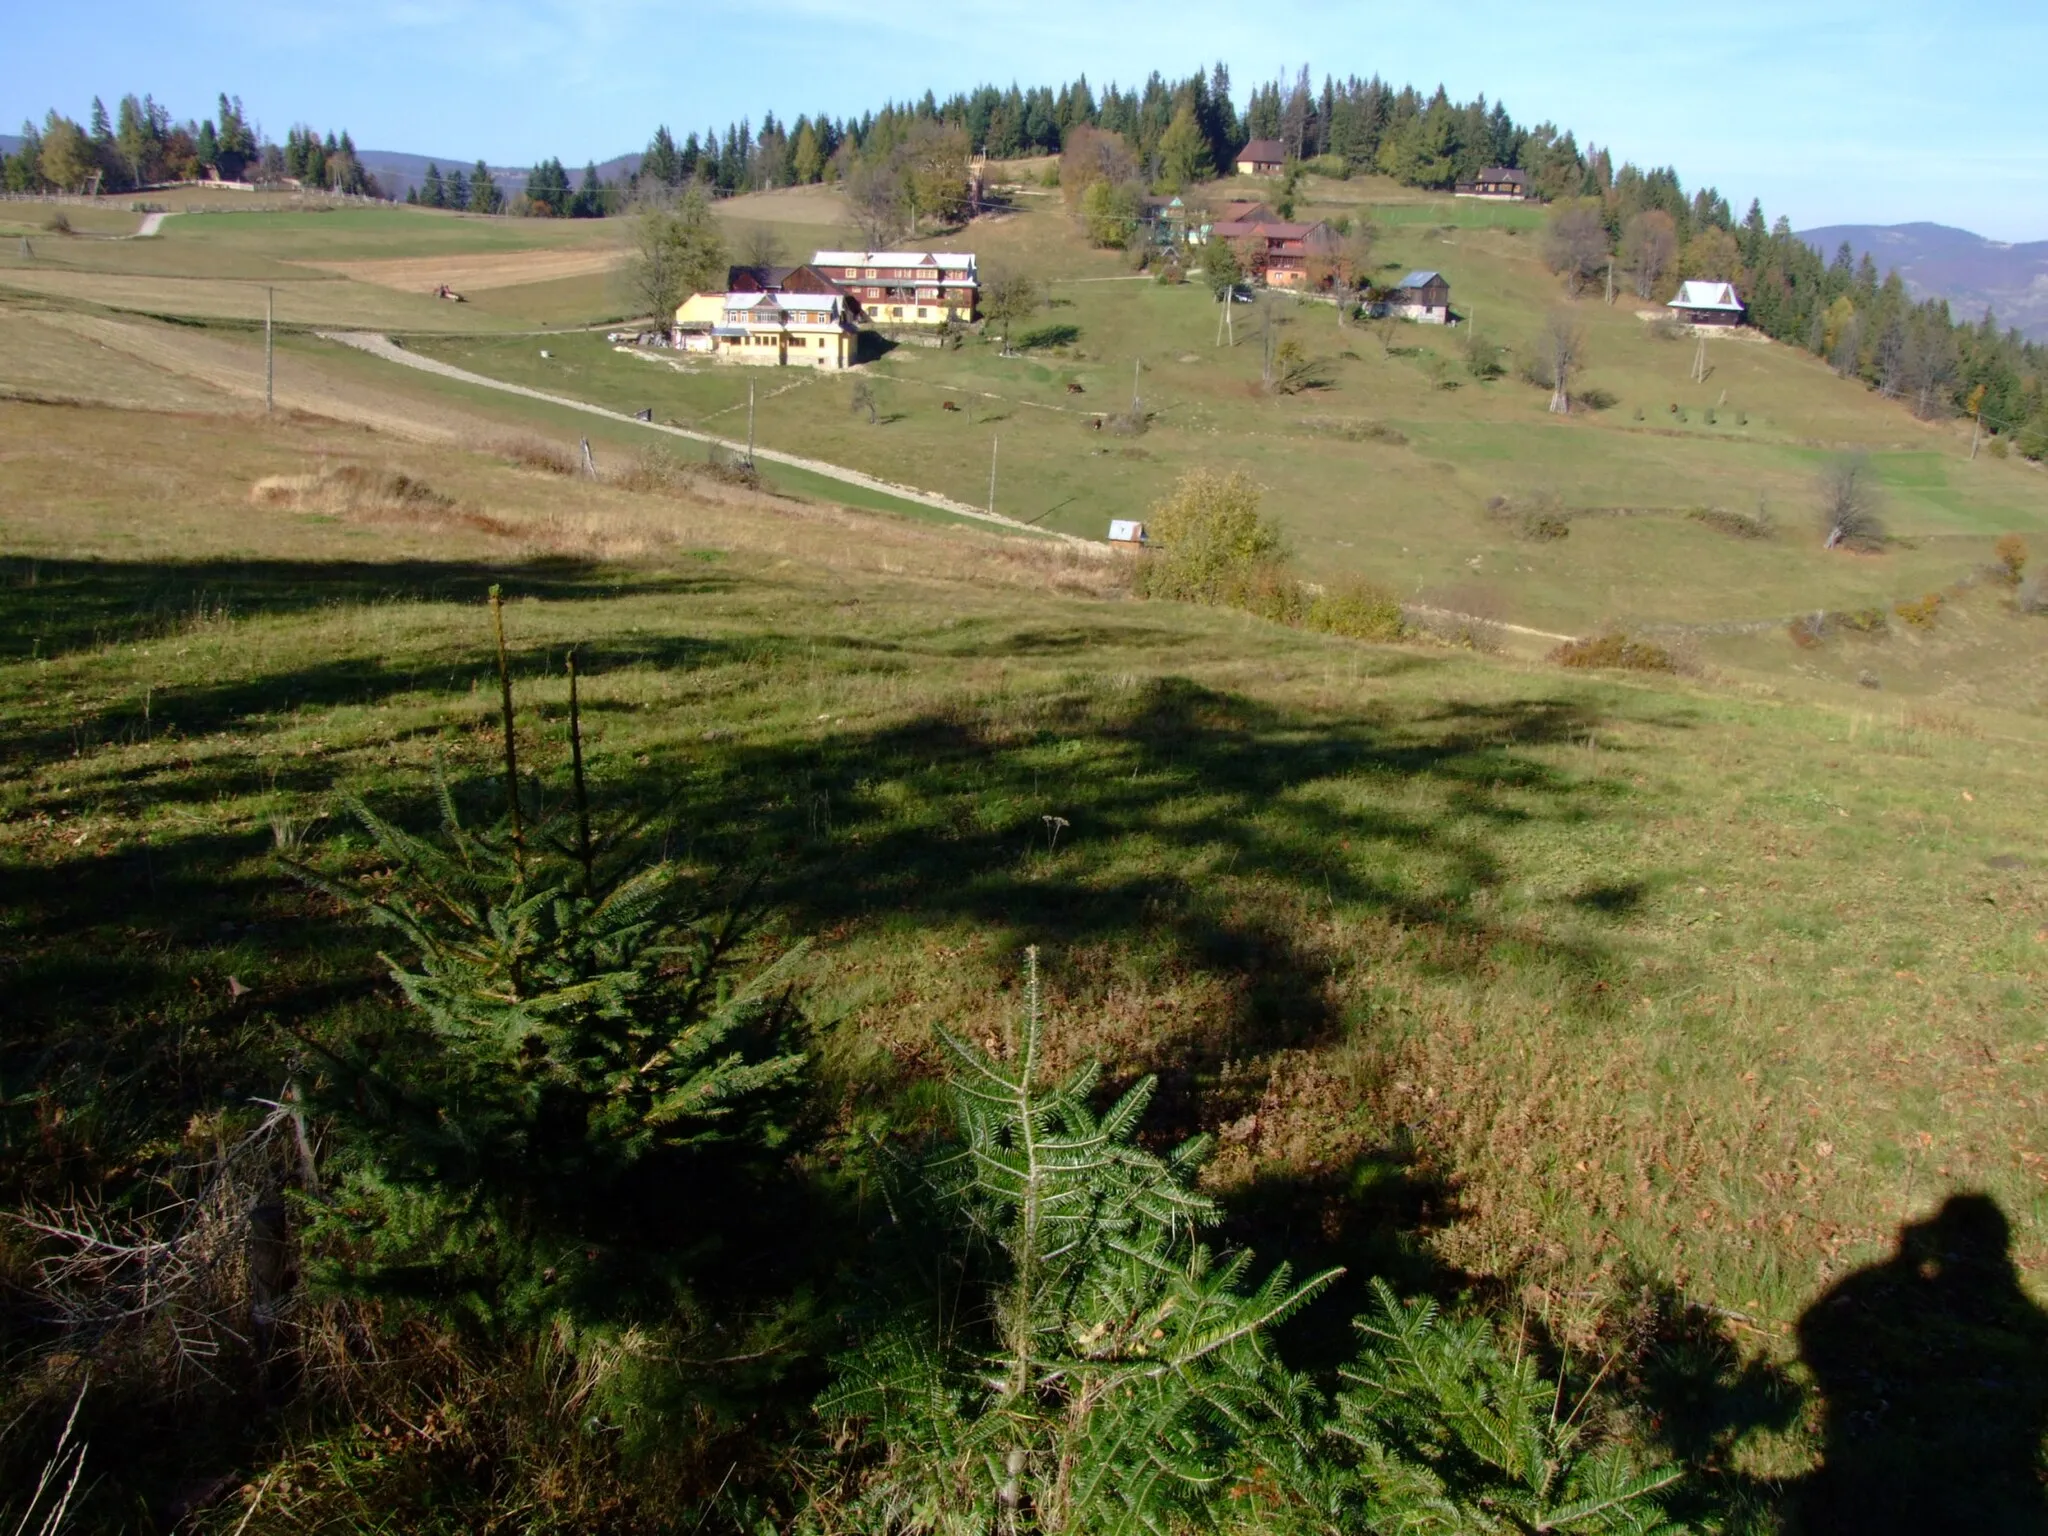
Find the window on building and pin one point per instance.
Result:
(921, 312)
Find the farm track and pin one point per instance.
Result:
(378, 345)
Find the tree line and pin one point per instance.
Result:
(141, 145)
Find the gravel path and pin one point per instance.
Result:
(379, 345)
(151, 224)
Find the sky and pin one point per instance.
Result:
(1877, 111)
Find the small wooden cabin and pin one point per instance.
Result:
(1262, 157)
(1707, 303)
(1496, 181)
(1424, 296)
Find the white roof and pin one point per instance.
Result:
(1125, 532)
(1699, 295)
(828, 302)
(944, 261)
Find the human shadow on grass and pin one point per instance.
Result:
(1932, 1369)
(1929, 1374)
(55, 607)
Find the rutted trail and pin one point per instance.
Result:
(379, 345)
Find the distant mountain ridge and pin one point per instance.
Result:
(398, 172)
(1936, 261)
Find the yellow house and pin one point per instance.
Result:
(793, 330)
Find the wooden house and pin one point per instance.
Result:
(1707, 303)
(1421, 295)
(909, 288)
(1280, 253)
(1262, 157)
(1500, 182)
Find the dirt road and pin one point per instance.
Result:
(379, 345)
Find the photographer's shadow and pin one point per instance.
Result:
(1933, 1369)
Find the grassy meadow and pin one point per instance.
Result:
(1492, 976)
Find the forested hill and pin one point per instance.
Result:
(1936, 261)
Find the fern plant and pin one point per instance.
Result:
(1090, 1365)
(1440, 1431)
(530, 1134)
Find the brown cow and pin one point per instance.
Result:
(1075, 389)
(947, 405)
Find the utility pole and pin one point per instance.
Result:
(995, 443)
(1137, 367)
(1976, 429)
(750, 423)
(1610, 282)
(1699, 362)
(269, 357)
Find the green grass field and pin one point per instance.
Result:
(1656, 976)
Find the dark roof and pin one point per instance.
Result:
(1503, 173)
(1421, 280)
(1264, 152)
(802, 278)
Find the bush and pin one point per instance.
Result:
(2032, 596)
(2011, 552)
(1737, 525)
(536, 453)
(1359, 610)
(1614, 650)
(1209, 539)
(58, 223)
(1920, 612)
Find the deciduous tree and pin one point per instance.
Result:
(1649, 246)
(1575, 245)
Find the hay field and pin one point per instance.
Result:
(474, 270)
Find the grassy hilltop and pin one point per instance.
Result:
(1493, 976)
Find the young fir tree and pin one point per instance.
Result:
(432, 193)
(1083, 1363)
(579, 1076)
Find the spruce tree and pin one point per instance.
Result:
(1081, 1362)
(579, 1072)
(432, 193)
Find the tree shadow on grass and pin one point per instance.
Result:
(55, 607)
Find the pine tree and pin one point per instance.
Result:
(1083, 1363)
(576, 1049)
(432, 193)
(484, 196)
(1438, 1429)
(458, 189)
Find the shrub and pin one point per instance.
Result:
(1998, 448)
(58, 223)
(2011, 552)
(1737, 525)
(1482, 355)
(536, 453)
(1544, 529)
(1209, 538)
(2032, 596)
(1596, 399)
(1807, 631)
(1614, 650)
(1920, 612)
(1359, 610)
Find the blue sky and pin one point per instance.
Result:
(1832, 112)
